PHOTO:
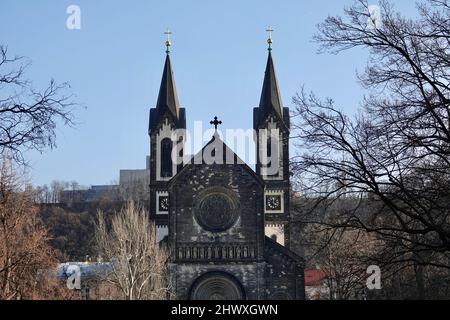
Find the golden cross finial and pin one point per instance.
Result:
(269, 41)
(168, 33)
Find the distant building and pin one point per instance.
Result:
(94, 193)
(88, 275)
(86, 269)
(133, 183)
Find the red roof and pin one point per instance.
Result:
(314, 277)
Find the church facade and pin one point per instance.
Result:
(227, 225)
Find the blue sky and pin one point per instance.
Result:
(114, 65)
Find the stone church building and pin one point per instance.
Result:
(227, 225)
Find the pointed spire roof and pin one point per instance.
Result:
(168, 98)
(270, 96)
(270, 103)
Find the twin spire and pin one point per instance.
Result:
(168, 98)
(270, 102)
(270, 96)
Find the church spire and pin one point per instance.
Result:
(270, 103)
(167, 103)
(270, 96)
(168, 98)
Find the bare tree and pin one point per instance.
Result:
(28, 117)
(393, 157)
(26, 258)
(344, 261)
(56, 187)
(139, 262)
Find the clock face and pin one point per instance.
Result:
(164, 203)
(273, 202)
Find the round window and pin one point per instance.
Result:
(216, 210)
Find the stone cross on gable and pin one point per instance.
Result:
(215, 123)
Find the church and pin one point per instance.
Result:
(227, 226)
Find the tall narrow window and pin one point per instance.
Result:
(166, 158)
(269, 146)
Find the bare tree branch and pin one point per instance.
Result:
(29, 117)
(390, 163)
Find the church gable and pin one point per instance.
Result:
(217, 203)
(216, 152)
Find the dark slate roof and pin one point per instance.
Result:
(168, 98)
(270, 103)
(167, 103)
(273, 246)
(270, 95)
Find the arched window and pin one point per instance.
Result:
(269, 147)
(166, 158)
(273, 237)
